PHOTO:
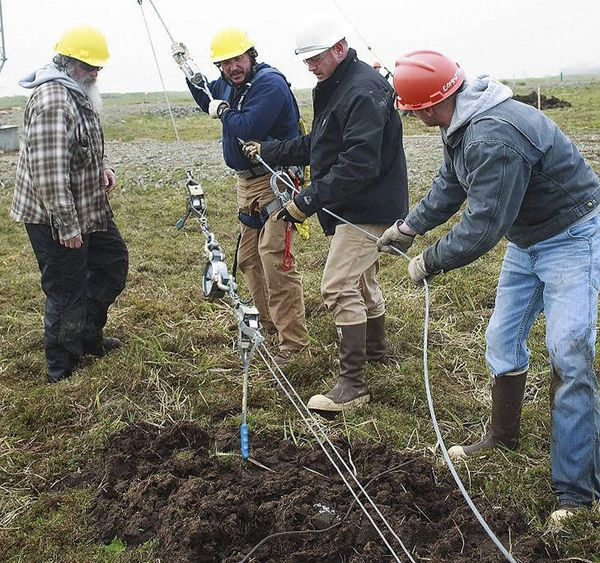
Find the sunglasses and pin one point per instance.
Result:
(87, 67)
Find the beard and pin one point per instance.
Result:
(91, 90)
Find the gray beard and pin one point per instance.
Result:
(88, 85)
(91, 90)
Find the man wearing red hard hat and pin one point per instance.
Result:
(522, 179)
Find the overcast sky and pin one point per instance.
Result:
(505, 38)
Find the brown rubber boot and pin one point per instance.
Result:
(376, 340)
(350, 390)
(507, 400)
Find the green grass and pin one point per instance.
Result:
(180, 362)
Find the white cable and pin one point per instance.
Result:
(447, 459)
(179, 143)
(311, 427)
(362, 38)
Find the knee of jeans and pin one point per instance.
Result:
(570, 352)
(493, 345)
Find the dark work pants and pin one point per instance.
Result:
(80, 285)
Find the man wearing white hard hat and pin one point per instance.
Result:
(358, 172)
(61, 195)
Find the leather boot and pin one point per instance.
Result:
(376, 340)
(350, 390)
(507, 400)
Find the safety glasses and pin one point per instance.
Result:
(316, 59)
(87, 67)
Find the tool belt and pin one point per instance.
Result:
(258, 219)
(254, 172)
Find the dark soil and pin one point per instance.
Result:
(202, 507)
(546, 102)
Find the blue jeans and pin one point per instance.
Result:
(561, 277)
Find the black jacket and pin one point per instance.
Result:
(358, 168)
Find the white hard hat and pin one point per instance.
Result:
(318, 33)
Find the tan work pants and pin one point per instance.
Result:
(277, 293)
(349, 286)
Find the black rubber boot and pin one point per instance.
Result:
(350, 390)
(376, 340)
(507, 399)
(103, 347)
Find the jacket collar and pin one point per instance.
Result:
(341, 70)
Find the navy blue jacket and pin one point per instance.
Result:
(261, 109)
(358, 168)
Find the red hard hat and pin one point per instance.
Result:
(425, 78)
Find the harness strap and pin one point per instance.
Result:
(257, 220)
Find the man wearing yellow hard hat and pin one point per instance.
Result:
(254, 101)
(61, 195)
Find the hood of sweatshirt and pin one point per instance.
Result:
(49, 73)
(476, 96)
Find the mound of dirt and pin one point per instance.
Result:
(202, 506)
(546, 102)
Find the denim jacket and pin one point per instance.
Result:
(520, 176)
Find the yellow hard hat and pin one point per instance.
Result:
(85, 44)
(228, 43)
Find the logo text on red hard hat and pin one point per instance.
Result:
(452, 81)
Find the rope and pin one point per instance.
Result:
(362, 38)
(288, 262)
(313, 425)
(434, 420)
(162, 82)
(258, 345)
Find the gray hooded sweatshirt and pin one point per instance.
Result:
(47, 73)
(520, 176)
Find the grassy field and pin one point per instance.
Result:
(180, 361)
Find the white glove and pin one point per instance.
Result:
(179, 52)
(216, 108)
(417, 269)
(393, 237)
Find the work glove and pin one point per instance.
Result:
(417, 269)
(395, 238)
(216, 108)
(251, 150)
(291, 214)
(179, 52)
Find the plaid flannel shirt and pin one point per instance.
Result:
(59, 174)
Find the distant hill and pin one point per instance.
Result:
(581, 69)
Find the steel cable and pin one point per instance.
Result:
(434, 420)
(311, 423)
(457, 479)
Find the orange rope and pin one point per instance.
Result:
(288, 261)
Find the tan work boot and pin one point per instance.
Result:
(376, 340)
(507, 400)
(559, 517)
(350, 390)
